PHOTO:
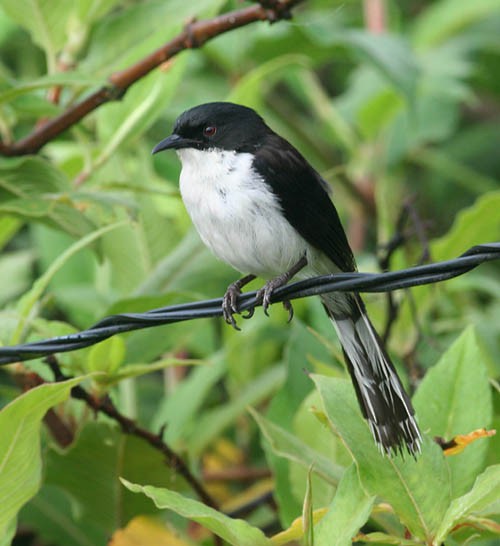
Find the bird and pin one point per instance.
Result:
(260, 207)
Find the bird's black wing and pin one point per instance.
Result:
(304, 198)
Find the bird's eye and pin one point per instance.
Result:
(209, 130)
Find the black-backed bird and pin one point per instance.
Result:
(263, 209)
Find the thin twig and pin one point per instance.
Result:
(194, 35)
(408, 214)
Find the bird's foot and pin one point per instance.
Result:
(265, 293)
(230, 301)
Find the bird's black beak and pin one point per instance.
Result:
(172, 142)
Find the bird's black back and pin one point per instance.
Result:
(304, 198)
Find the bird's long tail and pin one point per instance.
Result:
(383, 400)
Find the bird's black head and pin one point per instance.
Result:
(217, 125)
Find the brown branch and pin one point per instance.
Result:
(375, 16)
(194, 35)
(105, 405)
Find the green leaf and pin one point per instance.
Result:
(32, 188)
(212, 423)
(27, 303)
(474, 225)
(418, 490)
(252, 87)
(285, 444)
(478, 500)
(347, 513)
(235, 531)
(446, 166)
(20, 459)
(179, 411)
(137, 29)
(89, 470)
(307, 512)
(302, 345)
(384, 539)
(9, 226)
(135, 370)
(376, 113)
(107, 356)
(15, 266)
(390, 55)
(338, 129)
(455, 398)
(66, 79)
(315, 434)
(52, 513)
(126, 120)
(30, 176)
(443, 19)
(93, 10)
(45, 20)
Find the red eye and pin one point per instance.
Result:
(209, 130)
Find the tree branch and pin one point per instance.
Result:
(105, 405)
(194, 35)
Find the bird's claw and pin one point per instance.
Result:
(230, 301)
(230, 305)
(249, 313)
(264, 296)
(288, 307)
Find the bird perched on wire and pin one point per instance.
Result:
(263, 209)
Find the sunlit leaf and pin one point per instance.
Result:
(143, 531)
(128, 119)
(213, 422)
(107, 356)
(482, 499)
(67, 79)
(473, 225)
(28, 301)
(20, 458)
(448, 17)
(235, 531)
(296, 530)
(45, 20)
(285, 444)
(454, 398)
(348, 511)
(31, 188)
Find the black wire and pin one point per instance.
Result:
(338, 282)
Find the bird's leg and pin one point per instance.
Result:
(265, 293)
(230, 300)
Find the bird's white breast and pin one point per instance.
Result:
(236, 214)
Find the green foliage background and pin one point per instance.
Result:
(93, 225)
